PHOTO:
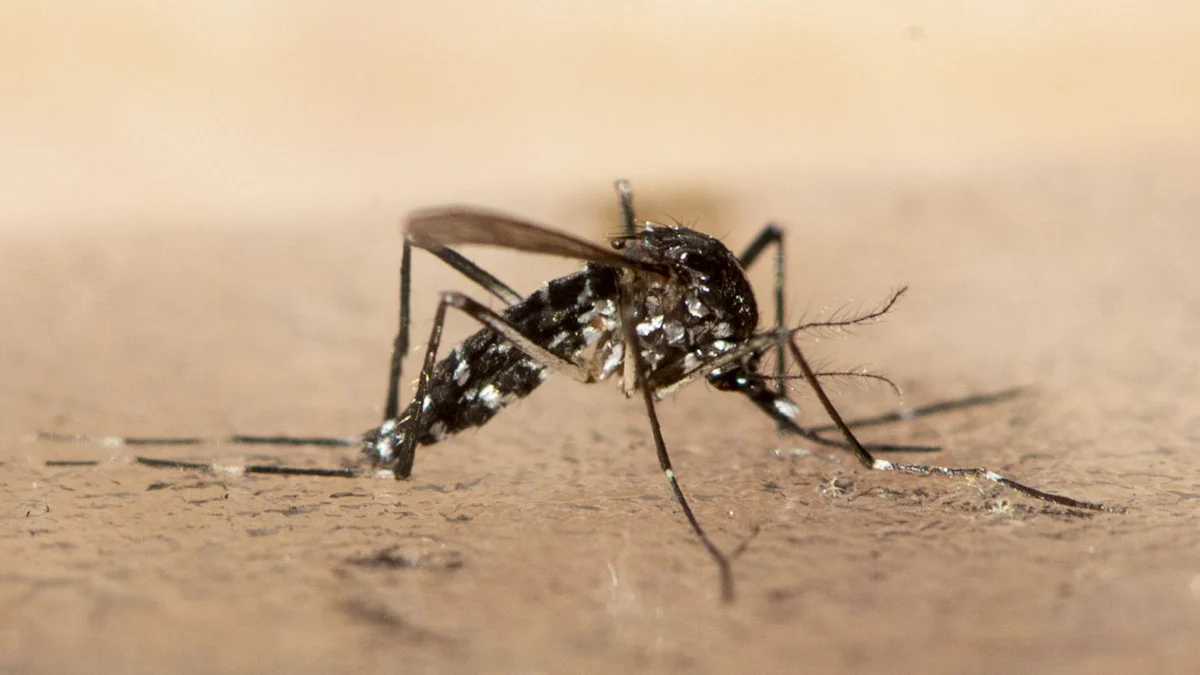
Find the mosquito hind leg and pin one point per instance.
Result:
(462, 265)
(236, 439)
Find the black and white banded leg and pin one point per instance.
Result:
(867, 460)
(450, 257)
(463, 266)
(629, 322)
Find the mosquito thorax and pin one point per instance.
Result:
(705, 309)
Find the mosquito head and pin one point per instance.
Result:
(380, 446)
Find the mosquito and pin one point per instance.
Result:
(663, 306)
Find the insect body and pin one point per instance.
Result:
(663, 306)
(701, 311)
(487, 372)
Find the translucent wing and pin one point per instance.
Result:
(450, 225)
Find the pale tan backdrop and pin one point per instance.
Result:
(199, 217)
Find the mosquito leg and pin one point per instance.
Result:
(638, 374)
(237, 439)
(772, 234)
(632, 348)
(864, 457)
(449, 256)
(213, 467)
(777, 406)
(463, 266)
(400, 345)
(784, 410)
(625, 195)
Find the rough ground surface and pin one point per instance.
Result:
(546, 542)
(198, 235)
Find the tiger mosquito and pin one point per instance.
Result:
(675, 299)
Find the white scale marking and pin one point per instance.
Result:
(230, 469)
(437, 430)
(615, 355)
(490, 396)
(673, 332)
(787, 408)
(462, 373)
(647, 327)
(695, 307)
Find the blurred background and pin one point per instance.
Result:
(200, 206)
(218, 112)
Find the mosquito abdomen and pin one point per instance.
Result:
(487, 372)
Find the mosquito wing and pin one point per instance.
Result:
(448, 225)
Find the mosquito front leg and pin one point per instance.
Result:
(864, 457)
(734, 377)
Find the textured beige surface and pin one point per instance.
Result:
(199, 236)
